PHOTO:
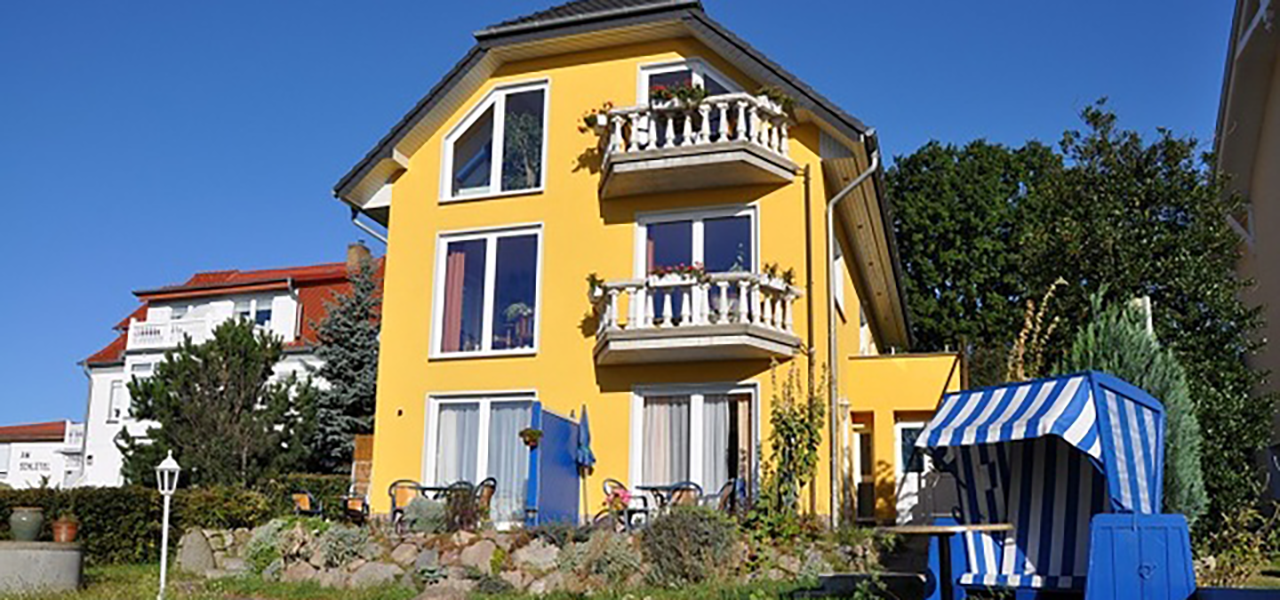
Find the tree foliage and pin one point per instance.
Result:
(219, 412)
(1116, 341)
(348, 347)
(983, 228)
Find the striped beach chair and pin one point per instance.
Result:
(1046, 457)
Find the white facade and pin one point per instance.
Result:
(166, 324)
(51, 463)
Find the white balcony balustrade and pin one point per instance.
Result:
(146, 335)
(722, 316)
(724, 140)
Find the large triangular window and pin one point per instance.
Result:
(500, 147)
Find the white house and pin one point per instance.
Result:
(41, 454)
(287, 302)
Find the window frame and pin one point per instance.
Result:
(112, 401)
(699, 69)
(495, 98)
(485, 401)
(640, 265)
(491, 236)
(697, 393)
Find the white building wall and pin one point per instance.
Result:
(36, 464)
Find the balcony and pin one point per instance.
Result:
(724, 140)
(145, 335)
(680, 318)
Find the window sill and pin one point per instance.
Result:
(482, 354)
(491, 195)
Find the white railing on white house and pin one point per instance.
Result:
(719, 119)
(673, 301)
(166, 334)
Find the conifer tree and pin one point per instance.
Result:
(348, 347)
(1117, 341)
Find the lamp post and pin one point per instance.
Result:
(167, 481)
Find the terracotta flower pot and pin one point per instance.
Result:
(64, 530)
(25, 522)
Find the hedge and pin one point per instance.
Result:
(122, 525)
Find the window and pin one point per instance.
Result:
(910, 459)
(472, 438)
(4, 460)
(256, 310)
(500, 147)
(702, 435)
(721, 240)
(690, 73)
(487, 292)
(177, 313)
(117, 402)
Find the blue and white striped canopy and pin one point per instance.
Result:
(1118, 426)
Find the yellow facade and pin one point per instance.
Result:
(582, 233)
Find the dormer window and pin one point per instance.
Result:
(500, 147)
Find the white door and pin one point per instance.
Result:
(911, 468)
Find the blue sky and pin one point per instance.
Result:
(142, 141)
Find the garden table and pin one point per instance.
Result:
(663, 493)
(946, 579)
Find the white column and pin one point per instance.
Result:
(704, 128)
(633, 143)
(742, 121)
(723, 313)
(613, 309)
(723, 107)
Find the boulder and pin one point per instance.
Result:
(404, 554)
(517, 579)
(537, 556)
(333, 578)
(317, 559)
(479, 556)
(427, 559)
(449, 589)
(235, 565)
(299, 572)
(789, 563)
(463, 539)
(356, 564)
(194, 553)
(551, 582)
(241, 536)
(374, 573)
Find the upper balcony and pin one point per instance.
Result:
(146, 335)
(678, 318)
(722, 140)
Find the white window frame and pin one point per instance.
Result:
(7, 455)
(900, 467)
(497, 98)
(697, 394)
(699, 71)
(113, 400)
(698, 216)
(486, 400)
(491, 236)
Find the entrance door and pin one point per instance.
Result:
(911, 468)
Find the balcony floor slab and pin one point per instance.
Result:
(734, 341)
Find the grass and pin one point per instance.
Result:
(140, 582)
(754, 591)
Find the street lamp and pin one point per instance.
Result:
(167, 481)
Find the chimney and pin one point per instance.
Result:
(356, 254)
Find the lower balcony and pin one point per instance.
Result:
(681, 318)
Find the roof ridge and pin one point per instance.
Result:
(578, 11)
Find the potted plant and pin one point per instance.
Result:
(531, 437)
(66, 527)
(25, 522)
(596, 119)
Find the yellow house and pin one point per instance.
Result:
(623, 206)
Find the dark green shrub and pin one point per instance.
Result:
(117, 525)
(221, 507)
(688, 545)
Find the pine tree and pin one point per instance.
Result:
(219, 411)
(348, 347)
(1117, 342)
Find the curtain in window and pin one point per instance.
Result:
(666, 440)
(508, 459)
(719, 451)
(463, 296)
(457, 444)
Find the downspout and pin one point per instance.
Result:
(810, 349)
(832, 349)
(355, 220)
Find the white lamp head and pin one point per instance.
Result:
(167, 474)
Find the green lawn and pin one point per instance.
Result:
(140, 582)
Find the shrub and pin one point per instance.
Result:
(424, 515)
(264, 546)
(1237, 551)
(342, 544)
(688, 545)
(221, 507)
(560, 534)
(606, 559)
